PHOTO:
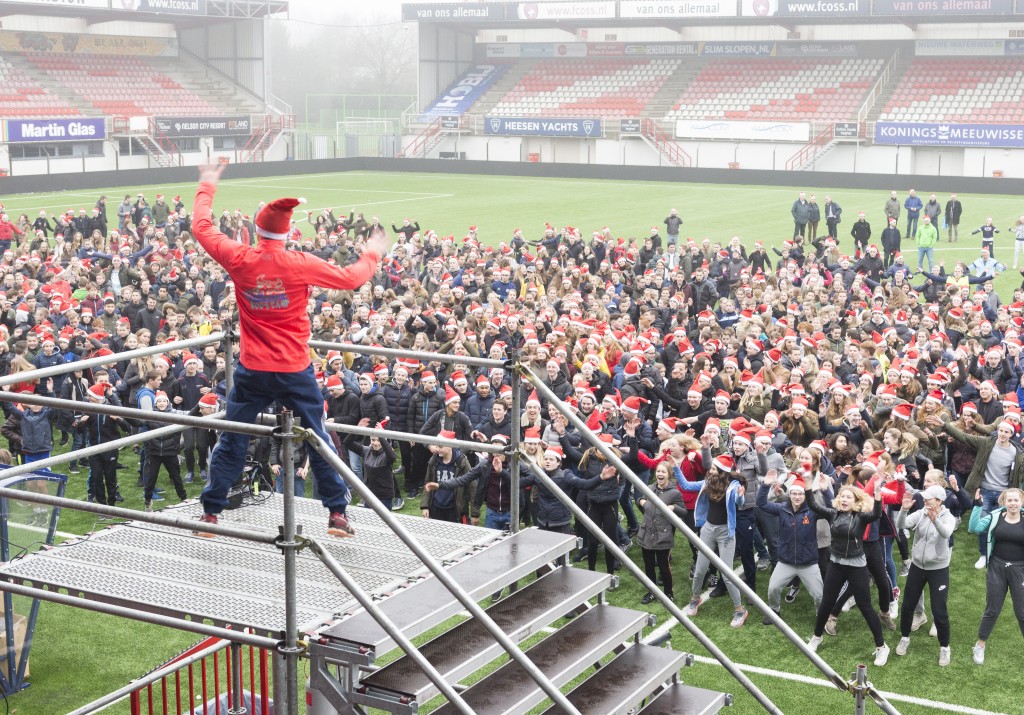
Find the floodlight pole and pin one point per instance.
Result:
(517, 428)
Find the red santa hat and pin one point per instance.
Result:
(274, 220)
(903, 411)
(633, 404)
(669, 424)
(446, 434)
(450, 395)
(532, 435)
(458, 377)
(555, 450)
(210, 398)
(98, 391)
(724, 463)
(334, 383)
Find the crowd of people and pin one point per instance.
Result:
(811, 411)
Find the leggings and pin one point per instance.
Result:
(890, 563)
(855, 580)
(606, 517)
(938, 587)
(1018, 248)
(659, 558)
(876, 568)
(1002, 576)
(717, 537)
(688, 520)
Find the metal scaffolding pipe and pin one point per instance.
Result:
(415, 354)
(155, 676)
(417, 438)
(59, 459)
(108, 359)
(289, 547)
(132, 413)
(159, 518)
(136, 615)
(510, 647)
(393, 631)
(517, 428)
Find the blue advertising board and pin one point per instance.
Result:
(931, 134)
(542, 127)
(55, 130)
(468, 88)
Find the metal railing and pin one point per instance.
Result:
(809, 151)
(725, 569)
(418, 147)
(876, 89)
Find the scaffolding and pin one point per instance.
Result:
(289, 539)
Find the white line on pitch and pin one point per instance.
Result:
(808, 680)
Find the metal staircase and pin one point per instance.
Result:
(665, 145)
(264, 136)
(160, 148)
(545, 592)
(425, 142)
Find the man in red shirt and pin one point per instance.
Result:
(273, 286)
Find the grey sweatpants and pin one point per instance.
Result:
(1002, 576)
(717, 537)
(810, 577)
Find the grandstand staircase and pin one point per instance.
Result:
(264, 136)
(595, 649)
(900, 66)
(666, 97)
(159, 147)
(501, 87)
(18, 60)
(664, 144)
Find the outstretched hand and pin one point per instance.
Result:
(211, 173)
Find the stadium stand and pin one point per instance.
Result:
(22, 96)
(969, 89)
(586, 88)
(778, 89)
(122, 85)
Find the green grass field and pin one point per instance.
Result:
(78, 656)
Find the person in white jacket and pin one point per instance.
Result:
(929, 564)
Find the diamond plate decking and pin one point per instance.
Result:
(232, 582)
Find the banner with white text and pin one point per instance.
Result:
(743, 131)
(543, 127)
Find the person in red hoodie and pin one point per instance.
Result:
(8, 230)
(272, 285)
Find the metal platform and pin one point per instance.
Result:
(680, 699)
(236, 583)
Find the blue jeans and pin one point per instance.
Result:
(35, 456)
(300, 484)
(989, 503)
(355, 461)
(923, 253)
(890, 562)
(912, 228)
(498, 520)
(625, 492)
(252, 393)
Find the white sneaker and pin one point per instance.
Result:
(944, 656)
(814, 642)
(981, 563)
(882, 655)
(903, 645)
(848, 605)
(933, 631)
(894, 610)
(919, 620)
(978, 654)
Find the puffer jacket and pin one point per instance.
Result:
(421, 406)
(398, 399)
(478, 408)
(373, 406)
(606, 491)
(36, 433)
(656, 531)
(550, 512)
(167, 444)
(847, 527)
(798, 537)
(931, 538)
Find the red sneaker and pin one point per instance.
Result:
(206, 519)
(338, 525)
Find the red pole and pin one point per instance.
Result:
(216, 685)
(252, 678)
(149, 692)
(163, 692)
(177, 692)
(136, 704)
(191, 689)
(230, 684)
(204, 687)
(264, 677)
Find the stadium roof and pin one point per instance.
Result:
(183, 13)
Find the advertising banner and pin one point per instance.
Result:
(846, 130)
(450, 122)
(661, 49)
(567, 10)
(542, 127)
(68, 43)
(960, 48)
(55, 130)
(664, 9)
(165, 7)
(736, 49)
(467, 89)
(817, 49)
(804, 8)
(910, 8)
(747, 131)
(1014, 47)
(927, 134)
(629, 126)
(236, 125)
(453, 11)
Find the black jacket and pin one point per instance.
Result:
(550, 511)
(421, 406)
(398, 399)
(847, 526)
